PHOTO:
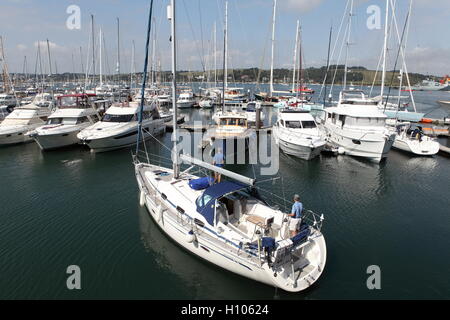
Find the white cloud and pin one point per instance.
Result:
(22, 47)
(301, 5)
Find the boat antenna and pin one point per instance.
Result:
(141, 108)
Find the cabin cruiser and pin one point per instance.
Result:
(8, 100)
(22, 119)
(297, 134)
(4, 111)
(119, 127)
(231, 134)
(186, 100)
(73, 114)
(234, 94)
(358, 127)
(410, 138)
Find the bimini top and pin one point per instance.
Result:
(205, 203)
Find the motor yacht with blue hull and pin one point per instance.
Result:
(230, 225)
(119, 127)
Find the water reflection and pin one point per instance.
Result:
(205, 279)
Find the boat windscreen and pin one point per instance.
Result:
(117, 117)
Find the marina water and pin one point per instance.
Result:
(71, 207)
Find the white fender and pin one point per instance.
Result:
(142, 199)
(341, 150)
(190, 237)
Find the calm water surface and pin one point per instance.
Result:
(72, 207)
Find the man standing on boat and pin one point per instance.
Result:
(218, 161)
(296, 216)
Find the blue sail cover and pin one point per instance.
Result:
(201, 183)
(205, 203)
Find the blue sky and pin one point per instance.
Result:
(24, 22)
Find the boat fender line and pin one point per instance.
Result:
(142, 199)
(190, 236)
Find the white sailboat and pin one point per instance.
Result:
(229, 224)
(411, 139)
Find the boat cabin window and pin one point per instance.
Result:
(70, 121)
(232, 122)
(293, 124)
(82, 120)
(55, 121)
(221, 213)
(373, 122)
(308, 124)
(118, 117)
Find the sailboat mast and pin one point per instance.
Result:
(386, 28)
(93, 45)
(215, 56)
(225, 53)
(273, 46)
(132, 70)
(49, 59)
(118, 49)
(348, 43)
(176, 168)
(100, 53)
(328, 66)
(225, 49)
(295, 55)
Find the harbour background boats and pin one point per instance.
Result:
(75, 207)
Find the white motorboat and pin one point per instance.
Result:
(186, 100)
(410, 138)
(4, 111)
(14, 127)
(74, 113)
(8, 100)
(231, 133)
(206, 103)
(444, 104)
(297, 134)
(119, 127)
(358, 127)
